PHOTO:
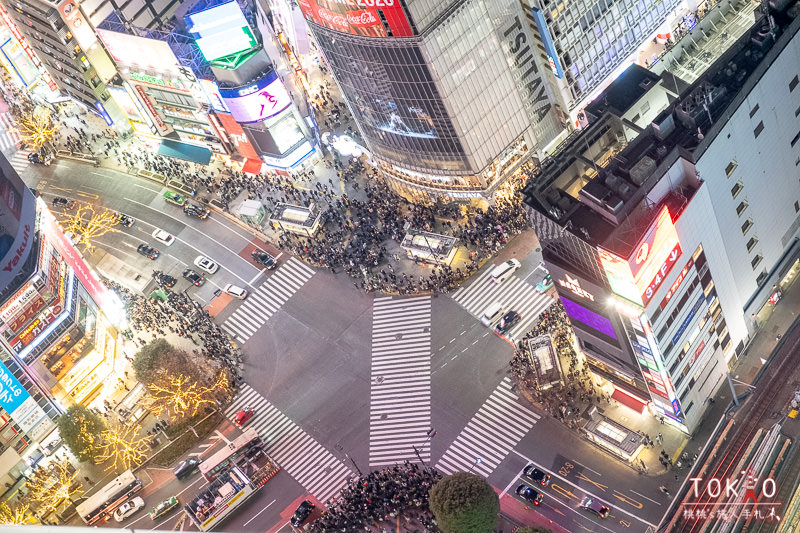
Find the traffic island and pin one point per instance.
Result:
(184, 442)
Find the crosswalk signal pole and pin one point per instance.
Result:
(431, 434)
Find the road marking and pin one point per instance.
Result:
(89, 194)
(476, 342)
(645, 497)
(278, 256)
(556, 475)
(586, 467)
(257, 275)
(464, 350)
(183, 223)
(519, 474)
(222, 436)
(258, 513)
(452, 340)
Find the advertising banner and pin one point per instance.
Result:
(367, 18)
(263, 99)
(221, 31)
(237, 135)
(17, 215)
(16, 304)
(12, 394)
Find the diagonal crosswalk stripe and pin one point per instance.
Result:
(297, 452)
(400, 393)
(265, 301)
(514, 293)
(490, 435)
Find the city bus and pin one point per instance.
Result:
(100, 505)
(232, 454)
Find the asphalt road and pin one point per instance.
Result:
(312, 361)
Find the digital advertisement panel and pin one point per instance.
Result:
(12, 394)
(221, 31)
(258, 101)
(359, 17)
(17, 218)
(131, 50)
(236, 133)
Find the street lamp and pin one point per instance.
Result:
(478, 461)
(431, 434)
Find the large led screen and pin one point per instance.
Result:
(368, 18)
(222, 31)
(589, 318)
(258, 101)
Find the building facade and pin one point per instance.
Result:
(449, 97)
(665, 242)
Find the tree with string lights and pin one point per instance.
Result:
(123, 447)
(16, 514)
(181, 396)
(37, 128)
(80, 428)
(86, 224)
(49, 489)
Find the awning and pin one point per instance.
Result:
(252, 166)
(187, 152)
(625, 398)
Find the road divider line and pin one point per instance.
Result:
(258, 513)
(519, 474)
(256, 276)
(645, 497)
(565, 480)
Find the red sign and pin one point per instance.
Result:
(25, 316)
(697, 352)
(661, 274)
(653, 249)
(39, 325)
(237, 135)
(359, 17)
(20, 300)
(21, 249)
(97, 290)
(678, 281)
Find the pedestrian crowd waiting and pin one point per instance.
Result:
(380, 496)
(178, 315)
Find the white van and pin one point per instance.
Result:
(503, 271)
(492, 314)
(236, 292)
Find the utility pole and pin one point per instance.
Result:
(431, 434)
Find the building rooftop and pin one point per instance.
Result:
(624, 91)
(608, 190)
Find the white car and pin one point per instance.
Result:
(236, 292)
(204, 263)
(163, 237)
(128, 508)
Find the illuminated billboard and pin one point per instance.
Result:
(78, 24)
(17, 218)
(262, 99)
(368, 18)
(221, 31)
(234, 130)
(638, 278)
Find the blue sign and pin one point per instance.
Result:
(103, 113)
(547, 41)
(250, 89)
(12, 394)
(676, 407)
(685, 323)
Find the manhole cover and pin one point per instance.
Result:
(379, 379)
(398, 336)
(426, 330)
(384, 416)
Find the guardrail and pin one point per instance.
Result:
(77, 156)
(152, 176)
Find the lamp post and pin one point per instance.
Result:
(478, 461)
(431, 434)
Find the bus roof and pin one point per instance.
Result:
(238, 443)
(103, 495)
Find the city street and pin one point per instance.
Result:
(322, 358)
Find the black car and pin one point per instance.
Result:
(148, 251)
(193, 277)
(263, 258)
(508, 320)
(125, 220)
(165, 280)
(527, 493)
(536, 475)
(187, 468)
(194, 210)
(60, 201)
(302, 512)
(39, 158)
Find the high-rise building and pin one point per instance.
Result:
(449, 97)
(668, 241)
(67, 45)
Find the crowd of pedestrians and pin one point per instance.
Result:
(577, 389)
(177, 315)
(381, 495)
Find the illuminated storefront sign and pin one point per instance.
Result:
(368, 18)
(23, 297)
(237, 136)
(574, 286)
(663, 391)
(153, 80)
(697, 352)
(27, 314)
(78, 24)
(685, 324)
(221, 31)
(677, 283)
(638, 278)
(162, 127)
(12, 393)
(261, 100)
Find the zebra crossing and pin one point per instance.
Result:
(299, 454)
(19, 161)
(9, 135)
(400, 393)
(265, 301)
(496, 428)
(514, 293)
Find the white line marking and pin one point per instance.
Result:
(258, 513)
(256, 276)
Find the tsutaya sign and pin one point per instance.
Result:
(575, 286)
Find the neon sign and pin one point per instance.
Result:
(575, 287)
(677, 283)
